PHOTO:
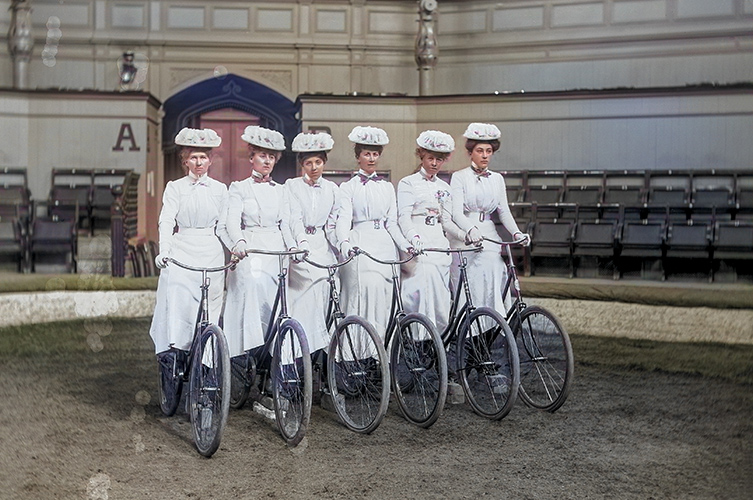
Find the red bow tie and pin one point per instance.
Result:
(481, 173)
(366, 178)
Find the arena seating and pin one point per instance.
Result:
(649, 224)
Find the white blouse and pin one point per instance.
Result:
(192, 203)
(418, 195)
(473, 194)
(373, 200)
(253, 204)
(320, 201)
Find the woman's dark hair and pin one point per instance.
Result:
(252, 149)
(367, 147)
(303, 156)
(470, 144)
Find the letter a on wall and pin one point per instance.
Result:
(126, 134)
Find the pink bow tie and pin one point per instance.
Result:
(367, 178)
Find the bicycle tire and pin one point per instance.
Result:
(418, 367)
(358, 377)
(547, 364)
(292, 381)
(170, 383)
(209, 390)
(488, 363)
(241, 377)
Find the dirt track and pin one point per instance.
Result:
(79, 420)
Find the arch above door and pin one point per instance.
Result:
(269, 108)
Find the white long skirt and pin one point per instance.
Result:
(308, 291)
(251, 291)
(367, 285)
(179, 292)
(487, 272)
(426, 278)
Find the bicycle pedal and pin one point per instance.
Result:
(264, 411)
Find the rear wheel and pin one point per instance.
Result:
(488, 363)
(170, 381)
(418, 366)
(359, 382)
(292, 381)
(546, 359)
(209, 392)
(242, 370)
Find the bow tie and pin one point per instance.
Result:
(313, 184)
(367, 178)
(260, 179)
(199, 182)
(481, 173)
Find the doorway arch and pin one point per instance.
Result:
(265, 107)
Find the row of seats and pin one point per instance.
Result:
(33, 231)
(661, 222)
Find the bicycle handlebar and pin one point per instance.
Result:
(453, 250)
(387, 262)
(275, 252)
(506, 243)
(330, 266)
(229, 265)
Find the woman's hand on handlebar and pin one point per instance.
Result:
(523, 239)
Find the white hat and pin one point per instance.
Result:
(482, 132)
(304, 143)
(195, 137)
(370, 136)
(434, 140)
(264, 138)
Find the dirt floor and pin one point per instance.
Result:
(79, 419)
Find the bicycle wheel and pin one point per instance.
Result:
(488, 363)
(170, 381)
(209, 391)
(292, 381)
(241, 375)
(359, 382)
(546, 359)
(418, 366)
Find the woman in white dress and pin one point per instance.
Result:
(311, 202)
(367, 219)
(477, 193)
(424, 209)
(254, 217)
(191, 223)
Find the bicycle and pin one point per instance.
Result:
(289, 374)
(418, 365)
(486, 356)
(205, 367)
(357, 378)
(546, 355)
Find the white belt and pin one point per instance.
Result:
(429, 220)
(371, 223)
(482, 216)
(262, 229)
(196, 231)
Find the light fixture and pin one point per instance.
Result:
(127, 69)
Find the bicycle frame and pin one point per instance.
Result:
(397, 311)
(279, 311)
(202, 316)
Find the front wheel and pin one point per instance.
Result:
(358, 380)
(170, 380)
(546, 359)
(418, 366)
(209, 391)
(292, 381)
(488, 363)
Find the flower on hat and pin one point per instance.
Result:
(206, 138)
(264, 138)
(482, 132)
(434, 140)
(304, 142)
(371, 136)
